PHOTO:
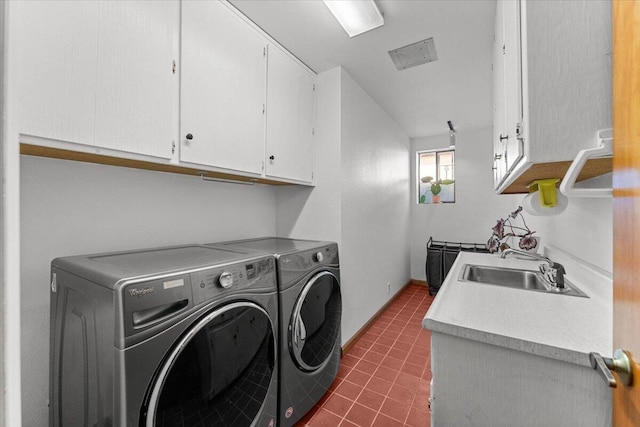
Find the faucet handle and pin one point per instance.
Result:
(559, 267)
(554, 273)
(548, 272)
(559, 274)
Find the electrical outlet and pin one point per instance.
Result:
(388, 287)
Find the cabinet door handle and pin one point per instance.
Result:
(502, 138)
(272, 157)
(497, 157)
(621, 363)
(189, 136)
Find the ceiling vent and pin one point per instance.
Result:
(414, 54)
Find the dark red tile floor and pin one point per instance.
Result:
(384, 378)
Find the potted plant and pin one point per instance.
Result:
(435, 188)
(435, 191)
(505, 229)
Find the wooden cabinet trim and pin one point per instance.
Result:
(591, 169)
(57, 153)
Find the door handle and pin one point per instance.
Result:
(299, 333)
(621, 364)
(302, 331)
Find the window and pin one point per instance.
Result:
(436, 176)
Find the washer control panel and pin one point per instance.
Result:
(257, 275)
(226, 279)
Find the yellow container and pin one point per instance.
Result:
(547, 189)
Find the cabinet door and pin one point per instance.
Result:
(290, 118)
(55, 63)
(513, 83)
(223, 89)
(499, 101)
(136, 99)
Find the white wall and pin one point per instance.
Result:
(477, 206)
(77, 208)
(375, 206)
(584, 229)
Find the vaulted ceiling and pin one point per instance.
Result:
(456, 87)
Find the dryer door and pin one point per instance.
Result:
(220, 373)
(314, 330)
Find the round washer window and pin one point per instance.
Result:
(315, 323)
(219, 373)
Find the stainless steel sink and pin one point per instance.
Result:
(529, 280)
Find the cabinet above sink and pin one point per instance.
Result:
(552, 89)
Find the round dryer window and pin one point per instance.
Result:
(315, 322)
(219, 373)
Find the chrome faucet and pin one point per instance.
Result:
(552, 271)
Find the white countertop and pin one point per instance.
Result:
(560, 327)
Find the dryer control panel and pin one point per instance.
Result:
(257, 275)
(295, 265)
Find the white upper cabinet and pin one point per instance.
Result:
(499, 101)
(137, 83)
(98, 73)
(163, 82)
(223, 89)
(290, 118)
(508, 144)
(54, 57)
(513, 84)
(555, 91)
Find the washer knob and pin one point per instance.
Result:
(225, 279)
(318, 257)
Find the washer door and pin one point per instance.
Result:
(219, 373)
(315, 322)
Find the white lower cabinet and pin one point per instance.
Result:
(479, 384)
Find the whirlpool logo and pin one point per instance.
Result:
(140, 292)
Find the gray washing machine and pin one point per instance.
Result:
(180, 336)
(310, 319)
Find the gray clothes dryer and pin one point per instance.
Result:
(180, 336)
(310, 319)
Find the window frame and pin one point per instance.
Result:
(437, 152)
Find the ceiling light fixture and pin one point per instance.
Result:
(452, 135)
(356, 16)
